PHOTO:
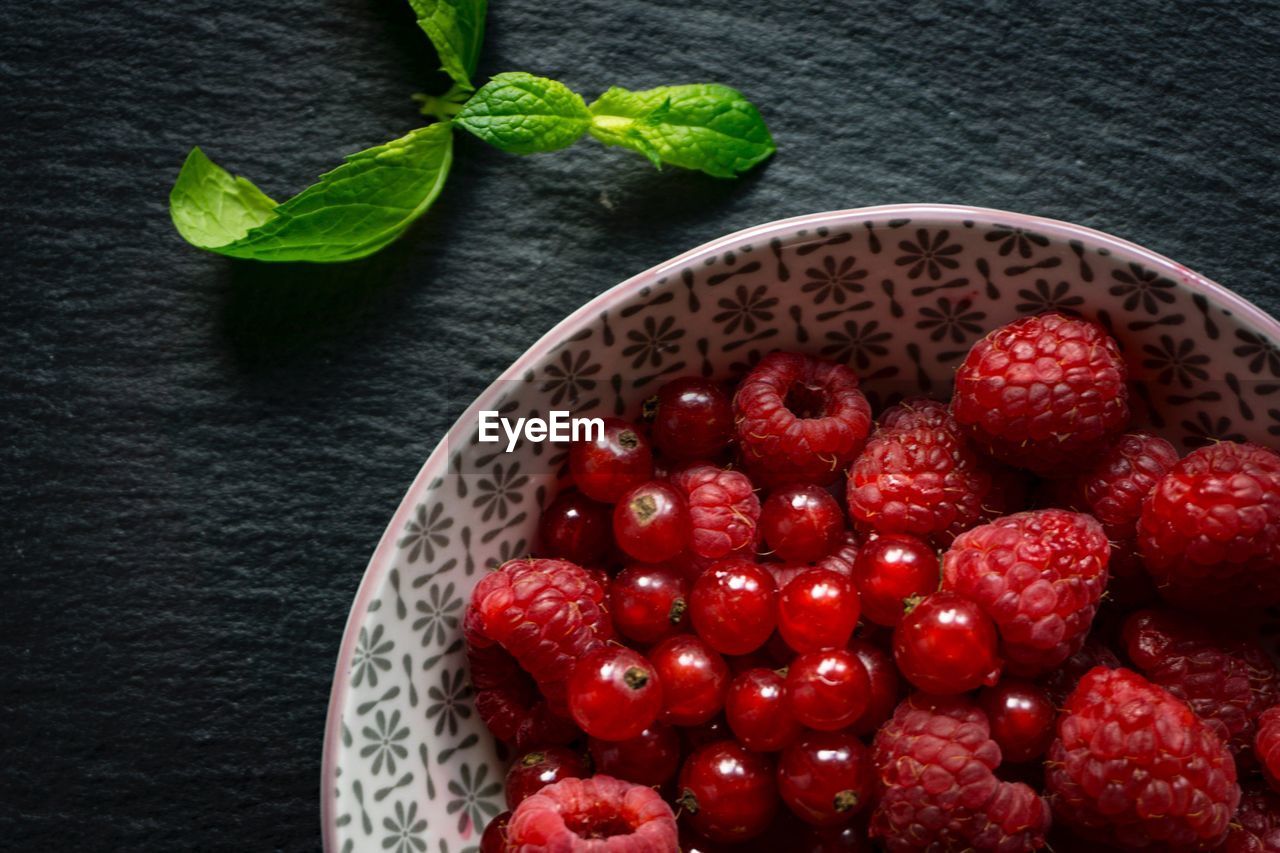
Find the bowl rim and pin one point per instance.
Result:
(371, 580)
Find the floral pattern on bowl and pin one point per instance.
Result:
(899, 293)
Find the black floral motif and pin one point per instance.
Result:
(951, 318)
(1259, 350)
(1176, 361)
(448, 701)
(384, 742)
(857, 343)
(1044, 297)
(1015, 238)
(370, 657)
(439, 614)
(930, 255)
(1141, 286)
(655, 341)
(570, 376)
(499, 490)
(1207, 430)
(746, 309)
(424, 532)
(472, 798)
(834, 280)
(404, 832)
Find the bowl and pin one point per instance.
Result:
(899, 293)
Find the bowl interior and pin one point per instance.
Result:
(897, 293)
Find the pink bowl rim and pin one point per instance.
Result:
(372, 579)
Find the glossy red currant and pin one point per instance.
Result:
(886, 686)
(693, 420)
(890, 571)
(494, 839)
(946, 645)
(732, 606)
(651, 522)
(817, 610)
(650, 758)
(694, 679)
(576, 528)
(614, 693)
(649, 603)
(728, 793)
(758, 713)
(715, 729)
(801, 523)
(1022, 718)
(533, 771)
(828, 690)
(826, 778)
(612, 463)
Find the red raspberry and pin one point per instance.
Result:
(546, 613)
(1042, 392)
(1256, 825)
(1210, 530)
(1039, 575)
(936, 762)
(918, 475)
(724, 512)
(1266, 745)
(1112, 487)
(1225, 677)
(598, 814)
(841, 559)
(799, 420)
(1133, 765)
(509, 704)
(1060, 682)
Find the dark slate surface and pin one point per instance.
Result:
(199, 455)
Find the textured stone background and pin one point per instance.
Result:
(198, 456)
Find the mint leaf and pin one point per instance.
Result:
(699, 126)
(456, 28)
(524, 114)
(350, 212)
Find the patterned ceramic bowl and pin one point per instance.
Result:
(899, 293)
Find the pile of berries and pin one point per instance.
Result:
(761, 620)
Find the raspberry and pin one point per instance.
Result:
(799, 420)
(509, 704)
(918, 475)
(1133, 765)
(724, 512)
(936, 763)
(1042, 392)
(1256, 825)
(1267, 745)
(600, 814)
(1039, 575)
(1225, 677)
(1113, 485)
(546, 613)
(1210, 530)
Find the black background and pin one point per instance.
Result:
(199, 455)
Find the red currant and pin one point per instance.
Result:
(715, 729)
(891, 570)
(614, 693)
(826, 778)
(801, 523)
(576, 528)
(732, 606)
(694, 679)
(946, 645)
(727, 793)
(649, 603)
(757, 711)
(828, 690)
(651, 758)
(610, 464)
(1022, 718)
(693, 420)
(817, 610)
(533, 771)
(494, 839)
(651, 522)
(885, 686)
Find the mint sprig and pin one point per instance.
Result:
(373, 197)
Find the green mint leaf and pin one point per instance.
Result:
(456, 28)
(524, 114)
(352, 211)
(699, 126)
